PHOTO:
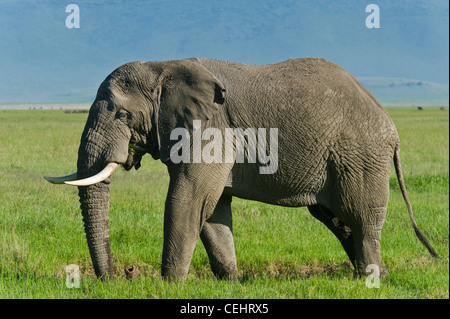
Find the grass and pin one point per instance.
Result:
(281, 252)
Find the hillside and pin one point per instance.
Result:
(399, 91)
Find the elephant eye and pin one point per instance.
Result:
(123, 115)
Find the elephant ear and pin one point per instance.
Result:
(188, 92)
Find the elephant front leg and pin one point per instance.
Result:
(181, 231)
(217, 237)
(183, 220)
(192, 197)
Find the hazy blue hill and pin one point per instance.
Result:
(399, 91)
(40, 59)
(389, 91)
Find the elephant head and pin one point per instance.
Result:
(136, 108)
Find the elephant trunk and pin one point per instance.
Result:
(94, 200)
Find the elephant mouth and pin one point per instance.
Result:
(133, 160)
(135, 154)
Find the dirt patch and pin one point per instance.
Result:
(277, 269)
(283, 269)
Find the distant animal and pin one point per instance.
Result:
(335, 147)
(420, 108)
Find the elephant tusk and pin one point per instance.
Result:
(62, 179)
(100, 177)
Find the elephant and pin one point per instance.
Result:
(334, 145)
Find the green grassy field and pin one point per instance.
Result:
(281, 252)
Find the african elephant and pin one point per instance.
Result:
(334, 145)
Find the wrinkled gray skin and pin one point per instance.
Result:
(335, 148)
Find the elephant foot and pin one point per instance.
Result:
(174, 274)
(371, 270)
(228, 272)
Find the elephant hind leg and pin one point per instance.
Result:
(337, 227)
(367, 242)
(217, 237)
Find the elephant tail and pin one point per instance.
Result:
(420, 235)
